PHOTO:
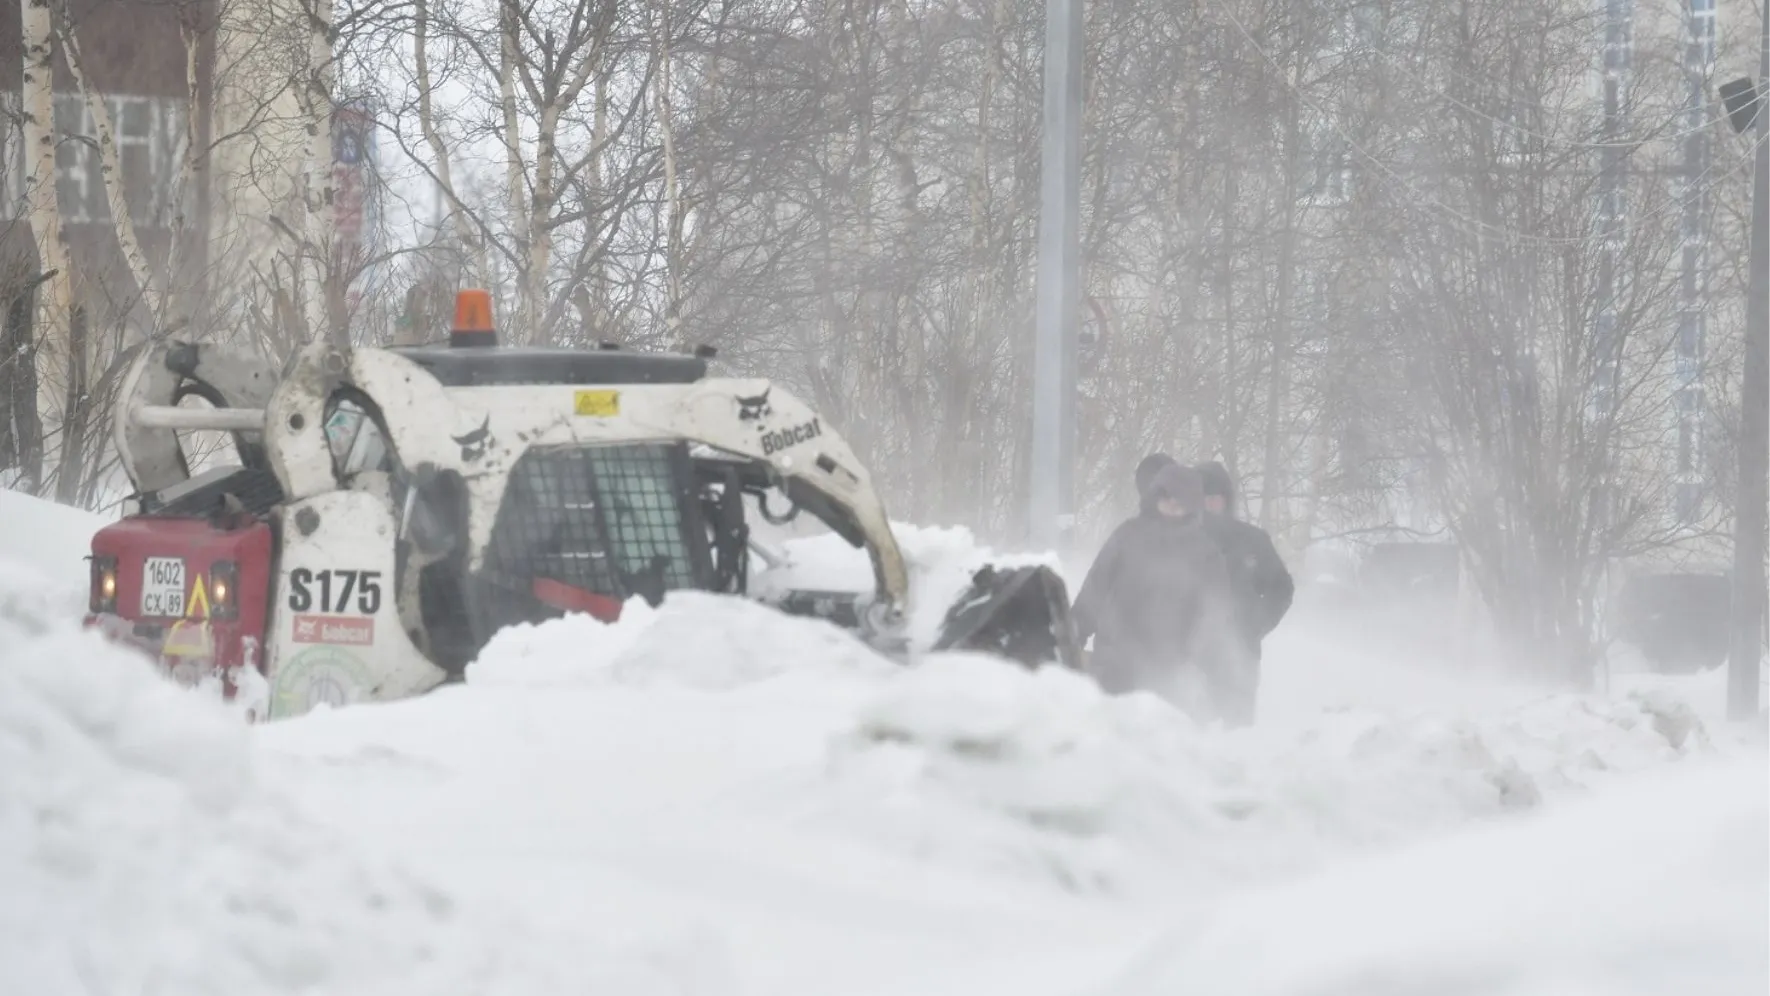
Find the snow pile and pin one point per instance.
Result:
(1656, 888)
(694, 639)
(141, 853)
(559, 651)
(956, 824)
(941, 562)
(1039, 774)
(43, 550)
(975, 764)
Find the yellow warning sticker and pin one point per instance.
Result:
(199, 597)
(189, 638)
(597, 404)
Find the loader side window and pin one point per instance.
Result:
(355, 439)
(642, 503)
(613, 521)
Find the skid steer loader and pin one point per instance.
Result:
(391, 508)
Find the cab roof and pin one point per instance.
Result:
(489, 366)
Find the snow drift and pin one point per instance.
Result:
(1655, 888)
(141, 852)
(43, 549)
(710, 797)
(1038, 776)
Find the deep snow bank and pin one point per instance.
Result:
(974, 763)
(1660, 887)
(43, 547)
(140, 853)
(1043, 772)
(711, 642)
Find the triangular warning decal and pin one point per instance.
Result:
(199, 596)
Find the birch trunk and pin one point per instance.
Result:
(551, 102)
(508, 54)
(540, 209)
(111, 168)
(595, 226)
(321, 279)
(57, 366)
(672, 198)
(183, 277)
(459, 221)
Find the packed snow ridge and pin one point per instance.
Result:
(1655, 887)
(143, 852)
(1038, 775)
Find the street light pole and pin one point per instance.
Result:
(1749, 589)
(1052, 491)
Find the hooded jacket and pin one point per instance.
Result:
(1262, 586)
(1150, 466)
(1155, 598)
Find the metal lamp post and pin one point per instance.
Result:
(1748, 105)
(1052, 491)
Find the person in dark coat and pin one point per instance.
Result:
(1263, 587)
(1156, 599)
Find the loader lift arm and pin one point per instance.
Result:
(146, 418)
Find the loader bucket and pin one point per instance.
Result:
(1021, 613)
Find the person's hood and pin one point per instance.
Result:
(1218, 482)
(1181, 483)
(1150, 466)
(1147, 469)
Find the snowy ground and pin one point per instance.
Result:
(713, 799)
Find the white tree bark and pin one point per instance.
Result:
(459, 221)
(183, 284)
(540, 209)
(594, 225)
(56, 364)
(675, 212)
(320, 282)
(509, 55)
(111, 167)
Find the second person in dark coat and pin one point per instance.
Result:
(1263, 587)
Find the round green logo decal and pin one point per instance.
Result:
(331, 675)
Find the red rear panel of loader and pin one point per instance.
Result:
(190, 593)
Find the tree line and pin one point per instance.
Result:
(1406, 267)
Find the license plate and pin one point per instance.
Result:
(162, 588)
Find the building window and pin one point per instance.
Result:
(1688, 501)
(132, 126)
(1690, 335)
(1692, 272)
(1688, 401)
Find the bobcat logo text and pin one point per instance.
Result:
(774, 442)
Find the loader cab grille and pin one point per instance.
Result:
(611, 521)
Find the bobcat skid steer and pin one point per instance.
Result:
(392, 508)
